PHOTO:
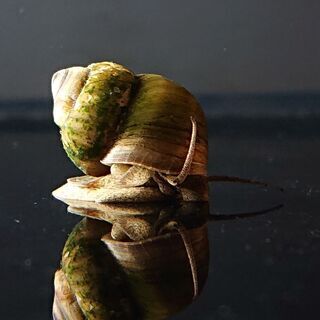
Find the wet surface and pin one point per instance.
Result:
(264, 267)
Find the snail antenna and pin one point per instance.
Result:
(179, 179)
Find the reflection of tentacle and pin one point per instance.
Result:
(235, 179)
(240, 180)
(174, 225)
(192, 260)
(179, 179)
(242, 215)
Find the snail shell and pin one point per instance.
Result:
(108, 115)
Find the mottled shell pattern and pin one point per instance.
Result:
(108, 115)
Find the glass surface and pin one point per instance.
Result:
(263, 267)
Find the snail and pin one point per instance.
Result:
(131, 278)
(136, 137)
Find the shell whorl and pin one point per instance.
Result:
(88, 105)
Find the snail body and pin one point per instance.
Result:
(145, 126)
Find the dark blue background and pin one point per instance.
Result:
(223, 46)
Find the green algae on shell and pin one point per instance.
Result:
(90, 125)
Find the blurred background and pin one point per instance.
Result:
(208, 46)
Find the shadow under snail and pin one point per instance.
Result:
(136, 137)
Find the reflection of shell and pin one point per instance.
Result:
(65, 305)
(158, 269)
(93, 276)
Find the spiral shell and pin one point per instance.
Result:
(108, 115)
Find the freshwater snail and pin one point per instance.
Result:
(140, 137)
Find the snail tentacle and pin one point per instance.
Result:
(181, 177)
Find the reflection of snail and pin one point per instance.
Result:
(132, 279)
(149, 130)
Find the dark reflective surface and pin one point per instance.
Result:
(266, 267)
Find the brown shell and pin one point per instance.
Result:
(157, 130)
